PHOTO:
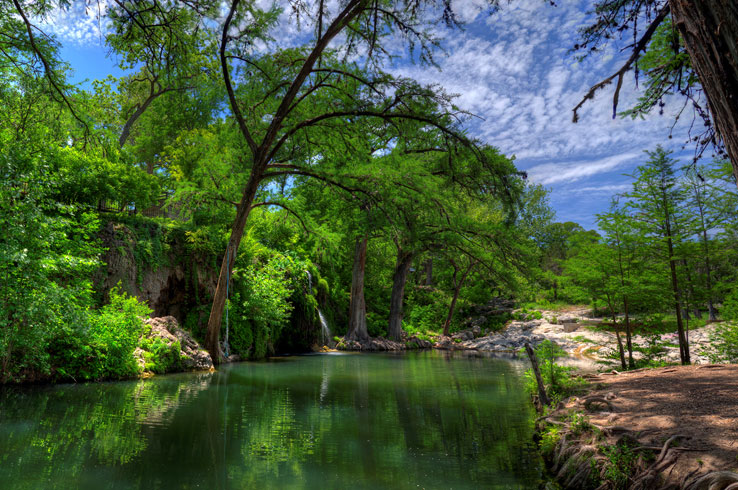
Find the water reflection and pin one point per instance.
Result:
(424, 420)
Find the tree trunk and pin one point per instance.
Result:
(428, 272)
(543, 398)
(212, 344)
(683, 343)
(628, 333)
(402, 267)
(621, 350)
(457, 289)
(710, 32)
(708, 278)
(357, 308)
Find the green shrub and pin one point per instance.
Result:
(426, 311)
(113, 334)
(259, 304)
(724, 343)
(549, 439)
(729, 311)
(376, 325)
(559, 380)
(579, 424)
(621, 461)
(497, 322)
(162, 358)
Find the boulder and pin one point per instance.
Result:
(416, 343)
(166, 328)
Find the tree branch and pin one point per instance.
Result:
(639, 46)
(227, 79)
(272, 203)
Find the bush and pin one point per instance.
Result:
(162, 358)
(559, 380)
(724, 343)
(426, 311)
(729, 311)
(113, 335)
(376, 325)
(621, 460)
(259, 305)
(549, 439)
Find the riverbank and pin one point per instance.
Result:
(673, 427)
(589, 348)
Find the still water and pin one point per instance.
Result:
(415, 420)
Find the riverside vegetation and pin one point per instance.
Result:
(245, 193)
(229, 198)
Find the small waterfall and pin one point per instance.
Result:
(326, 337)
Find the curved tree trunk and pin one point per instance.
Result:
(212, 344)
(357, 308)
(402, 267)
(710, 32)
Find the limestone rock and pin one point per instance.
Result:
(194, 357)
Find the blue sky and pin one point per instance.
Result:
(513, 69)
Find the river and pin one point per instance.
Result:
(412, 420)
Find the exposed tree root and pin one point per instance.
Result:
(717, 480)
(591, 401)
(579, 460)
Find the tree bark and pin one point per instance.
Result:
(710, 32)
(428, 272)
(402, 267)
(457, 289)
(683, 343)
(539, 380)
(261, 154)
(357, 308)
(126, 131)
(212, 337)
(621, 350)
(628, 333)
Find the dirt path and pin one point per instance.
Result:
(699, 403)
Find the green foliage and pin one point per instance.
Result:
(525, 314)
(560, 380)
(113, 335)
(729, 310)
(82, 177)
(620, 464)
(495, 323)
(724, 343)
(376, 324)
(579, 423)
(427, 310)
(48, 252)
(260, 306)
(101, 346)
(160, 357)
(549, 439)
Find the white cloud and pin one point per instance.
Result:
(80, 24)
(604, 189)
(553, 173)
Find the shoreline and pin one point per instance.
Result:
(673, 427)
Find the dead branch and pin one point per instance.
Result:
(637, 48)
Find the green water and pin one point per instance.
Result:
(416, 420)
